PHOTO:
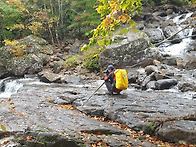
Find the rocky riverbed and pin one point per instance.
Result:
(58, 114)
(47, 105)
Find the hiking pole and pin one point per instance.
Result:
(94, 92)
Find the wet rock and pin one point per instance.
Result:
(169, 61)
(194, 96)
(147, 79)
(71, 79)
(165, 84)
(92, 111)
(151, 85)
(169, 31)
(184, 86)
(159, 76)
(49, 77)
(155, 34)
(194, 33)
(191, 64)
(179, 131)
(150, 69)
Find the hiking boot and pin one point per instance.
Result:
(109, 93)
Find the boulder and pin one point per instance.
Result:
(169, 31)
(178, 131)
(147, 79)
(71, 79)
(194, 33)
(75, 48)
(168, 23)
(153, 22)
(191, 64)
(49, 77)
(150, 69)
(36, 45)
(24, 65)
(184, 86)
(169, 61)
(3, 71)
(132, 50)
(155, 34)
(151, 85)
(165, 84)
(35, 56)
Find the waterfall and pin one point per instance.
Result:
(8, 87)
(179, 49)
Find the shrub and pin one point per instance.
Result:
(16, 50)
(72, 61)
(91, 59)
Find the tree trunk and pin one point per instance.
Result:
(2, 29)
(50, 31)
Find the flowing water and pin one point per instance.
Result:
(9, 86)
(180, 49)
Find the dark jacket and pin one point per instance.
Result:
(110, 77)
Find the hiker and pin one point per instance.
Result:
(110, 80)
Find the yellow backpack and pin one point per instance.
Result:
(121, 79)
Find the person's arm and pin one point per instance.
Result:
(111, 77)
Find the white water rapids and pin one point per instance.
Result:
(9, 87)
(179, 49)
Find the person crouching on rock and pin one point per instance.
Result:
(110, 80)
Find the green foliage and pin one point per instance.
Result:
(156, 2)
(83, 17)
(180, 2)
(123, 31)
(174, 2)
(91, 59)
(150, 131)
(72, 61)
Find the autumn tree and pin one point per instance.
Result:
(113, 14)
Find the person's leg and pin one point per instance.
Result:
(109, 87)
(117, 90)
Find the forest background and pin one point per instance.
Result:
(59, 20)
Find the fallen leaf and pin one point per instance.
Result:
(3, 128)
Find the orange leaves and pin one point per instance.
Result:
(71, 107)
(99, 144)
(115, 6)
(124, 17)
(20, 114)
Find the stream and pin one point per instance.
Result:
(34, 109)
(180, 49)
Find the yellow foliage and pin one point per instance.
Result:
(35, 27)
(113, 14)
(10, 43)
(17, 26)
(3, 128)
(16, 50)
